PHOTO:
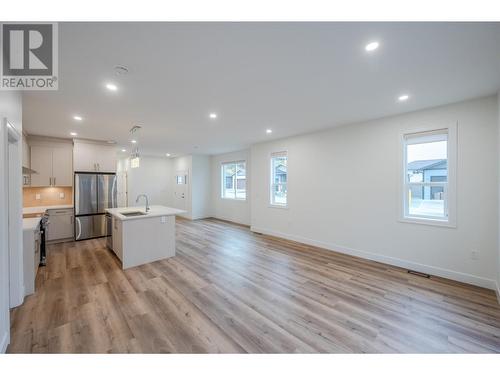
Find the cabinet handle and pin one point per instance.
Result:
(54, 181)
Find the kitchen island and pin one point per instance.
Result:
(140, 237)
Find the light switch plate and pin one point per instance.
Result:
(61, 195)
(37, 196)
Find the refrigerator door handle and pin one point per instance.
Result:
(79, 228)
(113, 193)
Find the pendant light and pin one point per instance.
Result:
(134, 156)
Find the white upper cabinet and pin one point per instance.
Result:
(93, 157)
(53, 162)
(41, 162)
(62, 166)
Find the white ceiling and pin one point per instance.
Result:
(291, 77)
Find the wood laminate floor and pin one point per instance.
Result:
(229, 290)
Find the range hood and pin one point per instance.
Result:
(28, 171)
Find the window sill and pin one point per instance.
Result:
(431, 222)
(278, 206)
(234, 199)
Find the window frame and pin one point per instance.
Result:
(272, 185)
(449, 187)
(223, 182)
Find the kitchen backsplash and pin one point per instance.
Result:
(48, 196)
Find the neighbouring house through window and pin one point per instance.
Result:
(279, 179)
(426, 175)
(234, 180)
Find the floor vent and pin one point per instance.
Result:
(416, 273)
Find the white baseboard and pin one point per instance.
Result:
(4, 342)
(431, 270)
(231, 220)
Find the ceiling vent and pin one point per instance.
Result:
(121, 70)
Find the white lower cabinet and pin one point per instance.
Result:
(61, 224)
(31, 258)
(117, 238)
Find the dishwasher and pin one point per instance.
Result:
(109, 231)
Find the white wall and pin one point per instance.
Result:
(237, 211)
(153, 178)
(201, 187)
(343, 193)
(11, 108)
(198, 196)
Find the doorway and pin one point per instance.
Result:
(181, 190)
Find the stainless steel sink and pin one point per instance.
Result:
(133, 213)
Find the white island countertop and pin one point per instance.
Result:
(141, 239)
(154, 211)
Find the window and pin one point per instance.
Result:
(180, 180)
(427, 188)
(279, 175)
(234, 180)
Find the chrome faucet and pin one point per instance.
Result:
(147, 200)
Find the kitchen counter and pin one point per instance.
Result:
(145, 238)
(42, 209)
(31, 253)
(31, 224)
(154, 211)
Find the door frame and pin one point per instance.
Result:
(11, 248)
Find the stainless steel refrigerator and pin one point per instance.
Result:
(94, 192)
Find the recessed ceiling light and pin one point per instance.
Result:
(213, 115)
(111, 87)
(168, 155)
(77, 118)
(111, 142)
(404, 98)
(372, 46)
(73, 134)
(124, 150)
(269, 131)
(133, 141)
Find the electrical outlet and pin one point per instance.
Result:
(474, 254)
(61, 195)
(38, 197)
